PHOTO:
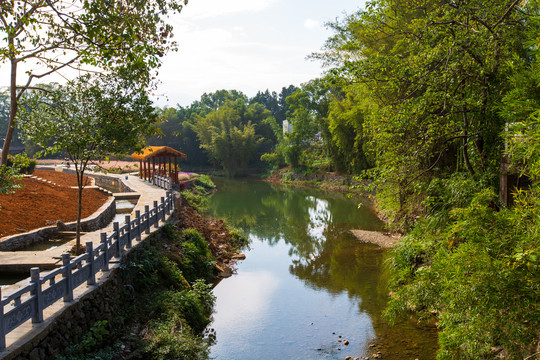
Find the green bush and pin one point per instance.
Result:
(198, 262)
(479, 272)
(171, 339)
(205, 182)
(198, 201)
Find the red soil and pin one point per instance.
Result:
(60, 178)
(40, 204)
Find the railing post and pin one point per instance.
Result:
(147, 213)
(34, 279)
(2, 334)
(162, 208)
(105, 251)
(66, 263)
(90, 251)
(138, 222)
(116, 229)
(128, 223)
(156, 214)
(168, 202)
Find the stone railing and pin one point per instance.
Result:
(162, 181)
(45, 289)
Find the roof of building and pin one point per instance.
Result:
(153, 151)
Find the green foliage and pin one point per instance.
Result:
(195, 198)
(194, 306)
(171, 339)
(9, 177)
(109, 114)
(198, 260)
(238, 239)
(205, 182)
(95, 35)
(277, 104)
(22, 163)
(235, 133)
(479, 272)
(94, 338)
(434, 94)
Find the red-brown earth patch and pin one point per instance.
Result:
(59, 178)
(40, 204)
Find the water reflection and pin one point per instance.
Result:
(311, 277)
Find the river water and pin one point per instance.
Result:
(307, 283)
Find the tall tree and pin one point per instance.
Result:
(233, 134)
(436, 71)
(91, 119)
(53, 36)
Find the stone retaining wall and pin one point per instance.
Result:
(100, 302)
(109, 183)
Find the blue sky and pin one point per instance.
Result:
(246, 45)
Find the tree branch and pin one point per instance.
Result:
(505, 15)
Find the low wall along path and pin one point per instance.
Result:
(29, 308)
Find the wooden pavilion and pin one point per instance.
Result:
(161, 160)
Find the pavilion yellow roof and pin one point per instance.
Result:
(152, 151)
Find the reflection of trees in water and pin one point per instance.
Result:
(325, 255)
(344, 265)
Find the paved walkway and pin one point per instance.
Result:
(21, 335)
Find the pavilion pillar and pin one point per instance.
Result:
(145, 169)
(170, 169)
(140, 169)
(176, 170)
(153, 167)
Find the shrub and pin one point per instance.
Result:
(205, 182)
(479, 271)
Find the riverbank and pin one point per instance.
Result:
(332, 181)
(165, 300)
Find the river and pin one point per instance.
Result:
(307, 284)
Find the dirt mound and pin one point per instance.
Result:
(214, 231)
(40, 204)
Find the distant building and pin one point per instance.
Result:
(287, 128)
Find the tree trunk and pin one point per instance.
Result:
(80, 178)
(78, 230)
(13, 105)
(464, 140)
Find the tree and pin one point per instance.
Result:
(91, 119)
(53, 36)
(274, 102)
(436, 74)
(233, 134)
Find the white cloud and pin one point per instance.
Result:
(205, 9)
(312, 24)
